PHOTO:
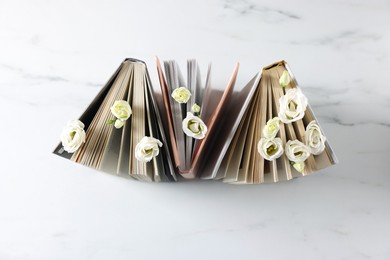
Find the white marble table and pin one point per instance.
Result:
(55, 56)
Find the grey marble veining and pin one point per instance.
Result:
(55, 56)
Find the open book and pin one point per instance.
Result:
(190, 153)
(240, 161)
(113, 149)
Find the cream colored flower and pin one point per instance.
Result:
(195, 108)
(194, 126)
(296, 151)
(121, 110)
(270, 149)
(271, 128)
(299, 166)
(73, 136)
(119, 123)
(292, 106)
(147, 148)
(181, 95)
(284, 80)
(314, 139)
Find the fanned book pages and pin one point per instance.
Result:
(121, 131)
(195, 114)
(276, 137)
(266, 132)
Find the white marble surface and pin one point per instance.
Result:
(54, 57)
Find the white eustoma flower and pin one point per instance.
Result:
(299, 166)
(181, 95)
(270, 149)
(194, 127)
(147, 148)
(121, 110)
(284, 80)
(296, 151)
(271, 128)
(73, 136)
(292, 106)
(315, 140)
(195, 108)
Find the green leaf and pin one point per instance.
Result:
(110, 121)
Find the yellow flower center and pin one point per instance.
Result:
(292, 105)
(298, 153)
(194, 127)
(272, 150)
(148, 151)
